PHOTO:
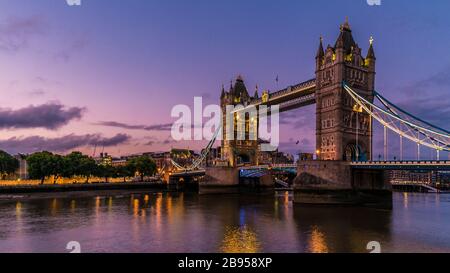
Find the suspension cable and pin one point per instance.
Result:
(433, 141)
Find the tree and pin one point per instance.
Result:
(88, 167)
(105, 171)
(123, 171)
(72, 164)
(44, 164)
(57, 163)
(8, 164)
(143, 165)
(77, 163)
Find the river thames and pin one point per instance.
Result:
(182, 222)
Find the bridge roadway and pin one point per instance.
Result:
(295, 96)
(192, 173)
(426, 165)
(430, 165)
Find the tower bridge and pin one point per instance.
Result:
(341, 133)
(343, 91)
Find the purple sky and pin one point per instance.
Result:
(68, 72)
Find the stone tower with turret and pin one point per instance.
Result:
(234, 150)
(343, 130)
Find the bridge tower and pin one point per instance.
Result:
(234, 150)
(343, 130)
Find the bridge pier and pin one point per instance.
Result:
(336, 183)
(263, 183)
(228, 180)
(220, 180)
(183, 182)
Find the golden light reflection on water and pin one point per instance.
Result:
(286, 198)
(158, 208)
(18, 209)
(136, 207)
(73, 205)
(284, 201)
(405, 200)
(19, 221)
(240, 240)
(54, 206)
(317, 242)
(169, 206)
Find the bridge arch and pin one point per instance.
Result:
(355, 152)
(242, 158)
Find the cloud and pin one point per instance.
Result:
(152, 141)
(428, 98)
(156, 127)
(44, 81)
(292, 147)
(440, 79)
(50, 116)
(37, 92)
(168, 141)
(60, 144)
(433, 110)
(16, 32)
(303, 118)
(72, 48)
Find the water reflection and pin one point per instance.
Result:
(342, 229)
(73, 205)
(182, 222)
(54, 206)
(405, 200)
(240, 240)
(317, 242)
(18, 210)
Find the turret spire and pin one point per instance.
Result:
(256, 92)
(320, 52)
(371, 52)
(345, 39)
(223, 91)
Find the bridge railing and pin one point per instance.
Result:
(289, 89)
(297, 100)
(284, 165)
(405, 162)
(293, 88)
(271, 166)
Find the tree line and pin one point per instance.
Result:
(8, 164)
(42, 165)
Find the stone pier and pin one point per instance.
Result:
(227, 180)
(220, 180)
(260, 184)
(336, 183)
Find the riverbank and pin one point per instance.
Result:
(52, 188)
